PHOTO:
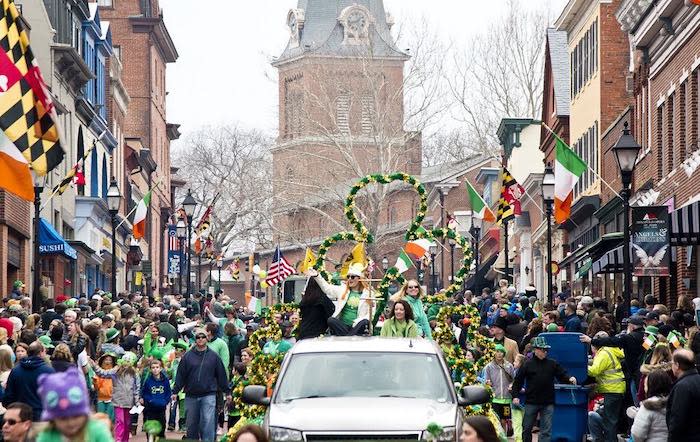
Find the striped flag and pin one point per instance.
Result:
(412, 251)
(173, 241)
(74, 174)
(140, 216)
(27, 114)
(479, 208)
(279, 270)
(509, 203)
(568, 168)
(403, 262)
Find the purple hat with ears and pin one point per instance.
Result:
(63, 394)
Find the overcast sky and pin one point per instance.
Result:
(224, 74)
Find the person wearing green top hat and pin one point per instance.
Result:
(400, 324)
(538, 375)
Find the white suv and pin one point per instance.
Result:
(359, 388)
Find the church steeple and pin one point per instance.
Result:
(344, 28)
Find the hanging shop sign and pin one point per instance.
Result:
(650, 248)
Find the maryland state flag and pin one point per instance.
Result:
(27, 114)
(75, 174)
(509, 203)
(235, 269)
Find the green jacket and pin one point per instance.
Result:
(389, 330)
(419, 316)
(220, 347)
(96, 432)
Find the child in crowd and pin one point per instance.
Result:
(125, 393)
(517, 412)
(499, 374)
(103, 386)
(66, 407)
(155, 395)
(180, 348)
(238, 375)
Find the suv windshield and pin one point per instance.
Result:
(407, 375)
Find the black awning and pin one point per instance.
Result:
(610, 262)
(479, 280)
(685, 225)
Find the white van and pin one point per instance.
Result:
(357, 388)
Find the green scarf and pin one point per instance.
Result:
(401, 327)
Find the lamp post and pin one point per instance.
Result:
(385, 264)
(219, 264)
(453, 244)
(475, 231)
(189, 204)
(181, 230)
(626, 152)
(36, 276)
(548, 200)
(433, 252)
(114, 199)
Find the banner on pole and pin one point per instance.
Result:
(650, 241)
(174, 253)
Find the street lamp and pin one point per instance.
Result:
(114, 199)
(219, 264)
(626, 152)
(453, 243)
(36, 294)
(433, 252)
(475, 231)
(548, 200)
(181, 230)
(189, 204)
(385, 264)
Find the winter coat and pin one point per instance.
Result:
(125, 387)
(631, 345)
(156, 392)
(200, 373)
(500, 376)
(650, 422)
(607, 370)
(538, 376)
(682, 411)
(389, 329)
(573, 324)
(22, 384)
(339, 293)
(644, 371)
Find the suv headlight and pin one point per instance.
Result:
(278, 434)
(449, 434)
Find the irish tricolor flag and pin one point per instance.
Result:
(479, 208)
(15, 176)
(414, 250)
(140, 216)
(568, 168)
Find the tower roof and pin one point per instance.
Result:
(320, 27)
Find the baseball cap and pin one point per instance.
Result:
(653, 315)
(586, 300)
(636, 320)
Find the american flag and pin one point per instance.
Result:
(279, 270)
(173, 242)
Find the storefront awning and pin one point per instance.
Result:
(586, 265)
(610, 262)
(685, 225)
(51, 242)
(479, 280)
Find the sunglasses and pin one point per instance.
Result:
(353, 277)
(12, 422)
(413, 287)
(201, 336)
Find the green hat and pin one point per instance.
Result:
(100, 314)
(110, 354)
(505, 305)
(111, 334)
(181, 345)
(17, 284)
(432, 318)
(652, 330)
(46, 341)
(501, 348)
(70, 302)
(230, 309)
(552, 327)
(539, 342)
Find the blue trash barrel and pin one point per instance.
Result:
(570, 420)
(570, 352)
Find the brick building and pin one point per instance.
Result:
(664, 56)
(145, 48)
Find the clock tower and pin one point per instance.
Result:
(341, 113)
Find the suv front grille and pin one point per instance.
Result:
(355, 437)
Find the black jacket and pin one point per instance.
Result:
(22, 384)
(631, 344)
(315, 314)
(540, 375)
(200, 373)
(682, 413)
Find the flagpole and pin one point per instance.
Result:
(57, 188)
(136, 206)
(589, 167)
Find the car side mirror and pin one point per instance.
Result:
(256, 395)
(472, 395)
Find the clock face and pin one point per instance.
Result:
(357, 22)
(293, 24)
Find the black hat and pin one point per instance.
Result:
(665, 329)
(636, 320)
(652, 315)
(500, 323)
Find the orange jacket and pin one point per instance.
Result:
(103, 386)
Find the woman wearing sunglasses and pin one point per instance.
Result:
(351, 315)
(412, 293)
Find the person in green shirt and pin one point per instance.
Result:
(217, 345)
(412, 293)
(401, 324)
(231, 316)
(352, 303)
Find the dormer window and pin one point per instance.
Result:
(356, 20)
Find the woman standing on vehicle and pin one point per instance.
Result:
(412, 293)
(401, 324)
